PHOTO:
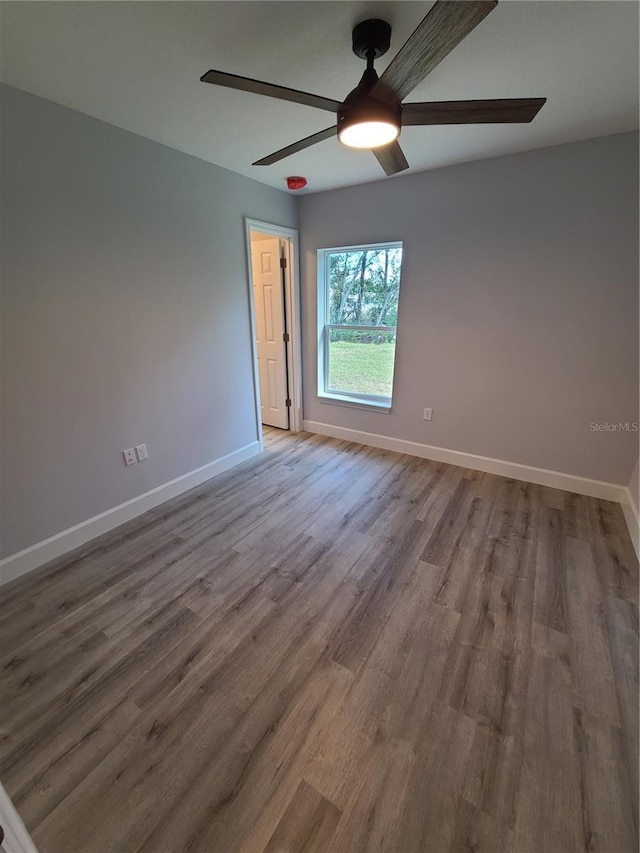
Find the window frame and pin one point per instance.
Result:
(372, 402)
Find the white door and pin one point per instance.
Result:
(268, 300)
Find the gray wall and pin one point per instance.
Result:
(125, 314)
(518, 318)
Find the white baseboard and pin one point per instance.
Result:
(37, 555)
(632, 517)
(513, 470)
(49, 549)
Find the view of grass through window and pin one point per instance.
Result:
(359, 365)
(360, 337)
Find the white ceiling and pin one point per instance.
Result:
(137, 65)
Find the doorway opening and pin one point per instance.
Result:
(272, 253)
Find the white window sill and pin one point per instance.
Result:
(381, 406)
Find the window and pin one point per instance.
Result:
(358, 290)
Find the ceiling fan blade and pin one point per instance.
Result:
(444, 27)
(391, 158)
(300, 145)
(258, 87)
(497, 111)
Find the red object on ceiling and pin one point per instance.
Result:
(295, 182)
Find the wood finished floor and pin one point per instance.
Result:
(331, 649)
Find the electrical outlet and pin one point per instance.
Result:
(141, 452)
(129, 456)
(427, 414)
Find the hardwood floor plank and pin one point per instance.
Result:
(608, 810)
(352, 645)
(371, 820)
(47, 776)
(466, 539)
(261, 804)
(438, 494)
(335, 767)
(550, 606)
(576, 515)
(476, 831)
(428, 818)
(618, 566)
(591, 667)
(496, 760)
(307, 826)
(215, 637)
(549, 807)
(622, 623)
(451, 525)
(121, 670)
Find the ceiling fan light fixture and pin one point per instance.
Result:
(366, 123)
(368, 134)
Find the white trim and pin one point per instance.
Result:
(383, 244)
(294, 357)
(16, 839)
(632, 517)
(513, 470)
(253, 334)
(295, 334)
(355, 402)
(323, 328)
(37, 555)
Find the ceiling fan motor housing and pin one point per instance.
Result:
(371, 37)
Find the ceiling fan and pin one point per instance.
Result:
(372, 114)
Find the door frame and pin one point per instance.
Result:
(292, 308)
